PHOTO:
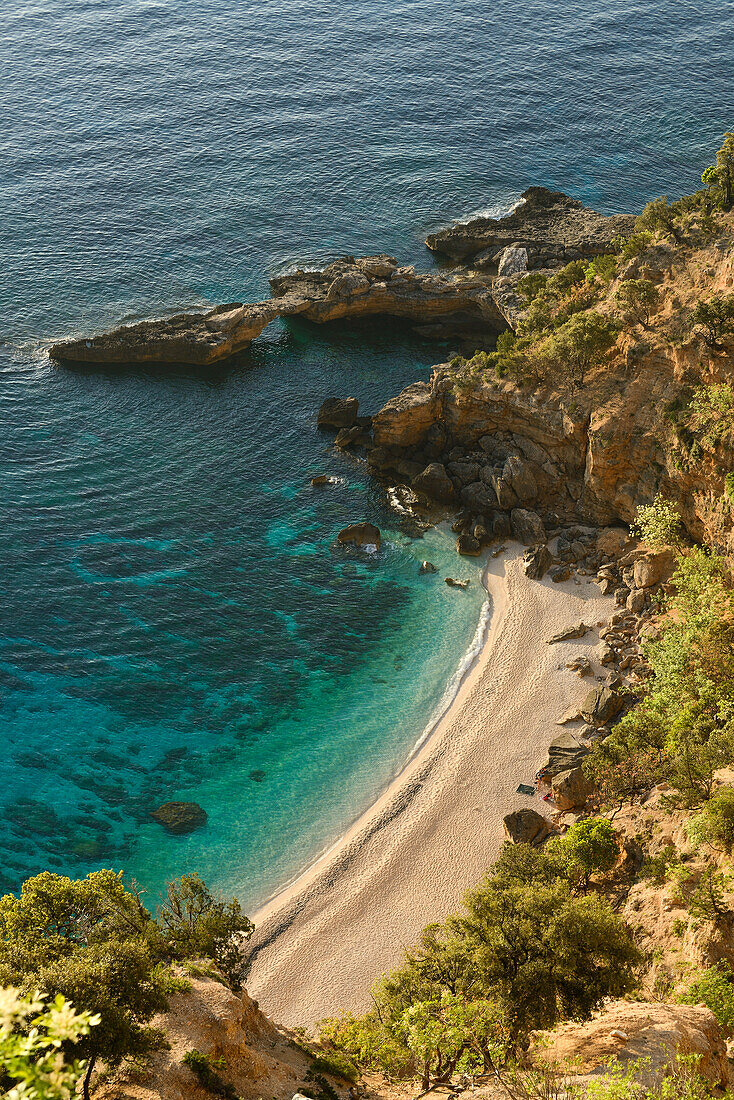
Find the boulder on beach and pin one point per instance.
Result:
(570, 789)
(338, 412)
(536, 561)
(360, 534)
(179, 818)
(526, 826)
(601, 705)
(527, 526)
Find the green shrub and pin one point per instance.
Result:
(589, 847)
(634, 245)
(337, 1064)
(205, 1069)
(711, 414)
(714, 988)
(657, 868)
(637, 299)
(581, 343)
(714, 823)
(37, 1041)
(658, 524)
(715, 318)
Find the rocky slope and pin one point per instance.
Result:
(590, 453)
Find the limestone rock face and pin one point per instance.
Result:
(526, 826)
(180, 817)
(512, 259)
(551, 227)
(338, 412)
(366, 287)
(360, 534)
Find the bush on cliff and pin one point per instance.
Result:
(637, 299)
(581, 343)
(93, 941)
(525, 952)
(719, 177)
(657, 524)
(685, 723)
(715, 319)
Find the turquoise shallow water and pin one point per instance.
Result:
(173, 613)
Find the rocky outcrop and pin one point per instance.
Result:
(365, 287)
(651, 1034)
(361, 535)
(338, 412)
(552, 228)
(180, 817)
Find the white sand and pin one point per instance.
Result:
(320, 945)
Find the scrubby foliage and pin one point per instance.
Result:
(714, 987)
(194, 923)
(530, 948)
(637, 298)
(38, 1044)
(685, 723)
(719, 177)
(93, 941)
(657, 524)
(713, 825)
(715, 319)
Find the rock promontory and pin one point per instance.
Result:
(551, 227)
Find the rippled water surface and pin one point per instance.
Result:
(175, 620)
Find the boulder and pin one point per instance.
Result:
(512, 260)
(578, 630)
(360, 534)
(468, 545)
(338, 412)
(526, 826)
(581, 664)
(519, 476)
(560, 573)
(570, 789)
(655, 567)
(527, 526)
(536, 561)
(179, 818)
(564, 752)
(434, 483)
(601, 705)
(427, 567)
(479, 497)
(636, 600)
(645, 1033)
(501, 525)
(612, 542)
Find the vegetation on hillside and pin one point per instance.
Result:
(93, 942)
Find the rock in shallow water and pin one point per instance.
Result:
(179, 818)
(360, 534)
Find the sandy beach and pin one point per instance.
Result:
(321, 944)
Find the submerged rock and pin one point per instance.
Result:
(179, 818)
(338, 412)
(427, 567)
(453, 583)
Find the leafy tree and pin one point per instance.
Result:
(90, 941)
(637, 299)
(658, 524)
(581, 343)
(589, 847)
(715, 318)
(449, 1033)
(719, 177)
(37, 1039)
(544, 954)
(659, 216)
(369, 1042)
(195, 923)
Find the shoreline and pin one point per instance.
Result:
(410, 857)
(443, 707)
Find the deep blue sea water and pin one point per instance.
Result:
(174, 617)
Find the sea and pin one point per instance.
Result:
(176, 621)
